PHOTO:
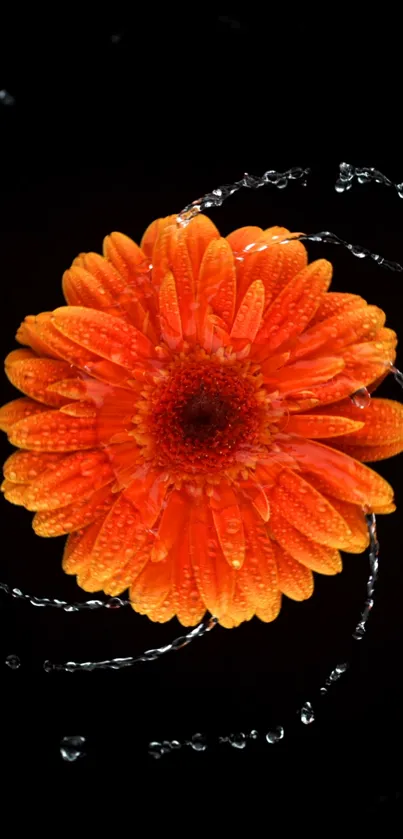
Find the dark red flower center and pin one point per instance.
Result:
(203, 414)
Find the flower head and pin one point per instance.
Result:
(187, 421)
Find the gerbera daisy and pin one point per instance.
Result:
(187, 421)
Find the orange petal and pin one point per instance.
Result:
(163, 612)
(381, 421)
(13, 412)
(189, 606)
(352, 378)
(294, 580)
(270, 613)
(355, 519)
(14, 493)
(170, 317)
(80, 288)
(77, 551)
(239, 611)
(338, 474)
(147, 493)
(228, 524)
(103, 272)
(215, 579)
(103, 334)
(275, 265)
(321, 425)
(154, 232)
(309, 512)
(24, 467)
(52, 431)
(216, 285)
(242, 237)
(121, 538)
(124, 255)
(317, 557)
(257, 578)
(255, 493)
(249, 315)
(290, 312)
(369, 454)
(124, 575)
(74, 516)
(335, 302)
(74, 478)
(60, 346)
(185, 282)
(199, 233)
(152, 586)
(303, 374)
(32, 375)
(171, 525)
(340, 331)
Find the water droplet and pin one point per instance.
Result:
(47, 666)
(307, 715)
(399, 188)
(198, 743)
(6, 98)
(175, 744)
(361, 398)
(253, 734)
(238, 740)
(13, 662)
(71, 748)
(114, 603)
(323, 691)
(155, 749)
(347, 171)
(275, 735)
(341, 668)
(359, 632)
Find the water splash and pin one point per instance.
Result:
(6, 98)
(275, 735)
(348, 174)
(13, 662)
(218, 196)
(149, 655)
(91, 605)
(307, 715)
(71, 748)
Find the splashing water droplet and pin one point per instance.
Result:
(71, 748)
(238, 740)
(113, 603)
(198, 743)
(155, 749)
(48, 666)
(307, 714)
(253, 734)
(361, 398)
(13, 662)
(359, 632)
(275, 735)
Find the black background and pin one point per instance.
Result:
(107, 134)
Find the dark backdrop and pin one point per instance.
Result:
(107, 133)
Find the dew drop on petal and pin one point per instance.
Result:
(361, 398)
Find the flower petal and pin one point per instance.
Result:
(317, 557)
(368, 454)
(335, 302)
(171, 526)
(290, 312)
(74, 516)
(75, 477)
(152, 586)
(381, 421)
(188, 604)
(13, 412)
(303, 374)
(355, 519)
(321, 425)
(340, 331)
(271, 612)
(228, 524)
(53, 431)
(77, 551)
(32, 375)
(25, 467)
(216, 285)
(338, 474)
(249, 315)
(309, 512)
(170, 317)
(153, 233)
(147, 493)
(215, 579)
(14, 493)
(80, 288)
(294, 580)
(121, 538)
(257, 578)
(103, 334)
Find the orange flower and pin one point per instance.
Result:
(189, 423)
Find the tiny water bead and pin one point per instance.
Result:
(238, 741)
(361, 398)
(198, 742)
(307, 715)
(72, 748)
(275, 735)
(13, 662)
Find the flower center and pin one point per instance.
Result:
(203, 414)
